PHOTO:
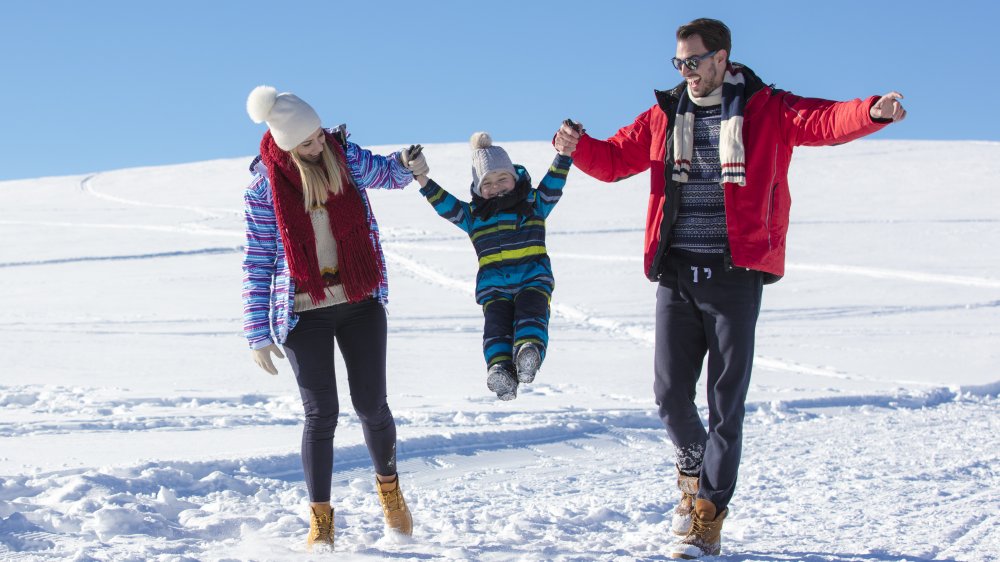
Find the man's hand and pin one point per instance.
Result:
(262, 357)
(567, 137)
(413, 159)
(887, 107)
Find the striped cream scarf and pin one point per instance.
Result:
(731, 154)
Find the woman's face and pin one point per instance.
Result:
(311, 148)
(495, 184)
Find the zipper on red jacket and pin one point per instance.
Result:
(770, 199)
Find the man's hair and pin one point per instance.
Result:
(714, 34)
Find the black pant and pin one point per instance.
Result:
(360, 331)
(703, 309)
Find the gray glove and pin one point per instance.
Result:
(414, 160)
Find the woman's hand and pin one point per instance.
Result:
(262, 357)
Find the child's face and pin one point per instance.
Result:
(495, 184)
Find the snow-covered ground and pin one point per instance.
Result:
(134, 425)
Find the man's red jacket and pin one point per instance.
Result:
(774, 122)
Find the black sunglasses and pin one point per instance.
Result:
(691, 62)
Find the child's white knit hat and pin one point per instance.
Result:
(290, 119)
(487, 158)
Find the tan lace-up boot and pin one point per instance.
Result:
(705, 536)
(320, 527)
(681, 522)
(397, 515)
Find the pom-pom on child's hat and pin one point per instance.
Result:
(290, 119)
(487, 158)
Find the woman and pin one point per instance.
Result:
(313, 274)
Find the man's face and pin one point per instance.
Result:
(710, 72)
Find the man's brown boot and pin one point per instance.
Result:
(705, 536)
(681, 522)
(320, 527)
(397, 515)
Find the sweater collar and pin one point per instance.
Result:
(714, 98)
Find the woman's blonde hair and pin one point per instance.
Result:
(319, 179)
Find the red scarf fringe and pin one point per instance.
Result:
(359, 264)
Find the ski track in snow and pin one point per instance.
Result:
(146, 256)
(87, 185)
(193, 228)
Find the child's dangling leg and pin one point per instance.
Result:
(498, 347)
(531, 331)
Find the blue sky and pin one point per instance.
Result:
(100, 85)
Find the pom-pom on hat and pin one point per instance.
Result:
(290, 119)
(487, 158)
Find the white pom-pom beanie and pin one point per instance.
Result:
(290, 119)
(487, 158)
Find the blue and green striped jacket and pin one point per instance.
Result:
(510, 247)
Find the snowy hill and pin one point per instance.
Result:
(134, 425)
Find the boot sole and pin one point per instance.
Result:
(528, 361)
(503, 385)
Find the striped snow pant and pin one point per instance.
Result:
(703, 309)
(512, 321)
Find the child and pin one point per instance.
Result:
(506, 222)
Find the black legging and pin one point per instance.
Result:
(360, 332)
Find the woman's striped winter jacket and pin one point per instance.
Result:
(268, 289)
(510, 247)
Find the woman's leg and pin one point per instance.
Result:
(310, 351)
(361, 336)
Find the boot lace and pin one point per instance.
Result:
(321, 527)
(699, 527)
(392, 500)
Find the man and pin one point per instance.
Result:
(718, 147)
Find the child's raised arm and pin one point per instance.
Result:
(550, 189)
(447, 205)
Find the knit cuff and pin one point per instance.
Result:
(430, 188)
(563, 162)
(261, 344)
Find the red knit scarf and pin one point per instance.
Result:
(359, 264)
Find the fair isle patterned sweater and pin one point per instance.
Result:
(268, 289)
